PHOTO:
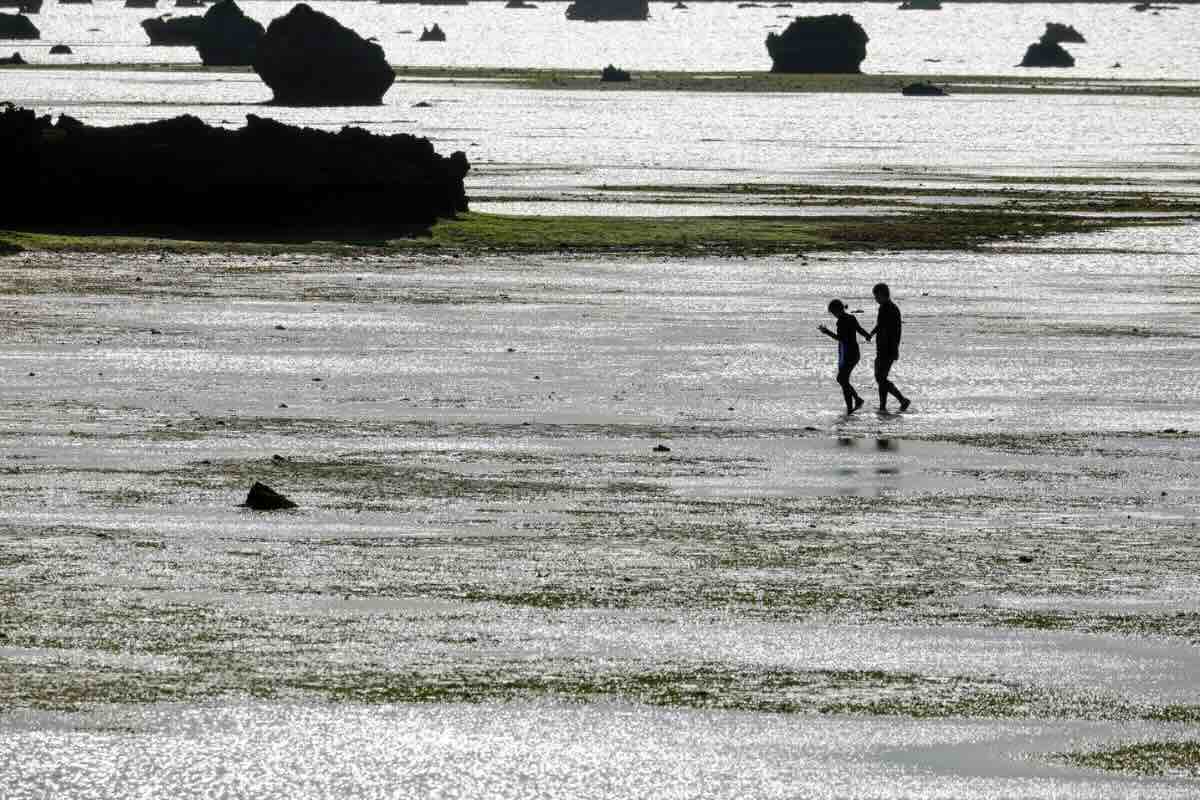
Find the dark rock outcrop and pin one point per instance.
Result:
(680, 6)
(921, 89)
(1058, 32)
(833, 43)
(608, 10)
(310, 59)
(434, 34)
(1047, 54)
(228, 38)
(611, 74)
(141, 3)
(519, 4)
(60, 50)
(74, 2)
(18, 26)
(14, 60)
(921, 5)
(266, 175)
(264, 498)
(191, 3)
(168, 31)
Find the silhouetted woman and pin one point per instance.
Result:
(847, 334)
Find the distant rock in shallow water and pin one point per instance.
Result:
(434, 34)
(168, 31)
(18, 26)
(920, 89)
(310, 59)
(608, 10)
(519, 4)
(14, 60)
(264, 498)
(611, 74)
(141, 3)
(228, 38)
(833, 43)
(1047, 54)
(60, 50)
(267, 175)
(921, 5)
(191, 3)
(1059, 33)
(680, 6)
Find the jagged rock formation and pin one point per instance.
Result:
(18, 26)
(14, 60)
(608, 10)
(168, 31)
(922, 89)
(1058, 32)
(611, 74)
(434, 34)
(830, 43)
(310, 59)
(228, 38)
(266, 175)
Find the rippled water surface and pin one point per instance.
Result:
(975, 39)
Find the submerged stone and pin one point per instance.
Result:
(610, 10)
(264, 498)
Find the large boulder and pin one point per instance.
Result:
(168, 31)
(434, 34)
(18, 26)
(608, 10)
(1059, 33)
(14, 60)
(1047, 54)
(310, 59)
(228, 38)
(264, 176)
(829, 43)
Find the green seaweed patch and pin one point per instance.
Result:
(1149, 759)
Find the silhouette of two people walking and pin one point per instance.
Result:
(886, 334)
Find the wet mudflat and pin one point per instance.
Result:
(494, 577)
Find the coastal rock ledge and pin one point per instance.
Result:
(266, 175)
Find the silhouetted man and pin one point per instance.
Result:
(887, 345)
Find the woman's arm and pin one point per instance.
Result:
(827, 332)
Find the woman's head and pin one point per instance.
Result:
(836, 307)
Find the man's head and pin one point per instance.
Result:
(836, 307)
(882, 293)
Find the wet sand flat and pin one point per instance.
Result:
(489, 547)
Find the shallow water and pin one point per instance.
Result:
(545, 751)
(976, 39)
